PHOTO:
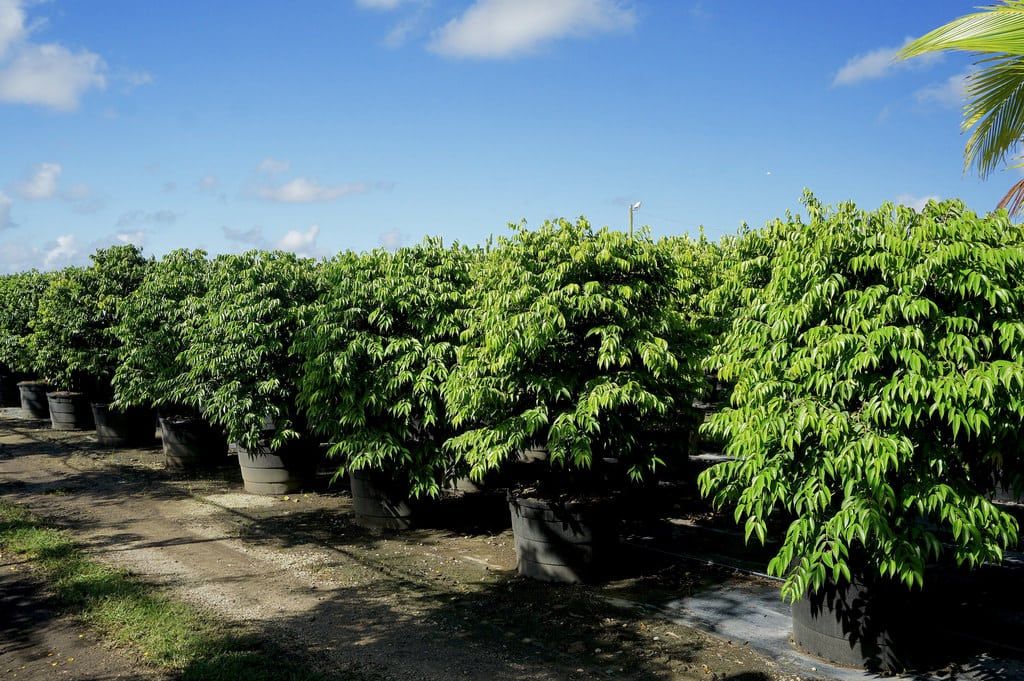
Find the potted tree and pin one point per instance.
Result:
(239, 369)
(575, 344)
(379, 345)
(72, 332)
(150, 332)
(152, 370)
(19, 300)
(876, 397)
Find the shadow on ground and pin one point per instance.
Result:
(411, 623)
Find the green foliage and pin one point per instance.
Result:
(879, 391)
(151, 328)
(380, 344)
(743, 268)
(240, 373)
(72, 333)
(577, 341)
(19, 300)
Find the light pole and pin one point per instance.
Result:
(632, 209)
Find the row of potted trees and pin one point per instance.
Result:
(427, 368)
(874, 362)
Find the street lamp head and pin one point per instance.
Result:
(636, 206)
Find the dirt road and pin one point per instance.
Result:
(428, 604)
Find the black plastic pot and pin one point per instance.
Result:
(135, 427)
(33, 398)
(379, 503)
(558, 541)
(190, 442)
(281, 472)
(69, 411)
(862, 623)
(10, 395)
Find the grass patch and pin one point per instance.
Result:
(167, 633)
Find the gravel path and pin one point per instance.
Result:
(421, 605)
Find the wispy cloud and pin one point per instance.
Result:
(134, 218)
(83, 199)
(274, 166)
(916, 202)
(949, 93)
(392, 239)
(12, 24)
(493, 29)
(385, 5)
(5, 212)
(304, 190)
(66, 249)
(248, 237)
(41, 182)
(879, 63)
(43, 74)
(400, 32)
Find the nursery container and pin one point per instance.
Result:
(858, 623)
(190, 442)
(379, 503)
(133, 427)
(69, 411)
(33, 398)
(10, 395)
(277, 472)
(561, 541)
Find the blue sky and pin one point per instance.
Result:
(325, 125)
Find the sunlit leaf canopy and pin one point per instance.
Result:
(878, 391)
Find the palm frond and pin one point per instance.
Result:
(998, 29)
(1014, 199)
(994, 113)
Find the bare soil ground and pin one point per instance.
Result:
(441, 602)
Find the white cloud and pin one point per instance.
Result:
(300, 243)
(274, 166)
(12, 24)
(392, 239)
(66, 249)
(507, 28)
(303, 190)
(209, 183)
(41, 184)
(42, 74)
(5, 211)
(62, 252)
(879, 63)
(916, 202)
(51, 76)
(163, 216)
(136, 238)
(951, 92)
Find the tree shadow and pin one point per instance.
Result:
(510, 627)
